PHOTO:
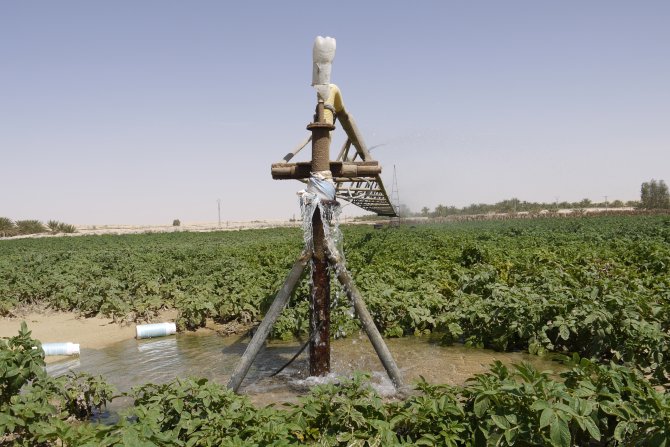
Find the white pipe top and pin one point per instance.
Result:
(323, 54)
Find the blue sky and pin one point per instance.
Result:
(140, 112)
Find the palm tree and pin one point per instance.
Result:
(7, 227)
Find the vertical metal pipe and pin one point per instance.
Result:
(319, 348)
(320, 141)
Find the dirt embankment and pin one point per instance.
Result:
(90, 333)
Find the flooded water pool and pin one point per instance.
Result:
(135, 362)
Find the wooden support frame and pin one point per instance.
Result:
(261, 334)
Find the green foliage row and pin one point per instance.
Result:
(515, 205)
(653, 195)
(599, 287)
(223, 275)
(596, 286)
(591, 405)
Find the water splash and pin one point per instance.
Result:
(330, 217)
(318, 197)
(378, 381)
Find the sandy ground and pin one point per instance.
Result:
(90, 333)
(186, 226)
(83, 230)
(97, 332)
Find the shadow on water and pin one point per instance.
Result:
(135, 362)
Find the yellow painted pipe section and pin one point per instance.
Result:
(346, 120)
(334, 100)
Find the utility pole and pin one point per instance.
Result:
(218, 203)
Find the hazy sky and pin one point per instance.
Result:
(147, 111)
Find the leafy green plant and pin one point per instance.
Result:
(434, 416)
(193, 311)
(84, 395)
(630, 410)
(21, 361)
(35, 409)
(198, 412)
(472, 255)
(348, 412)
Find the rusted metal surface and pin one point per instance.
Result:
(302, 170)
(366, 192)
(319, 347)
(354, 167)
(320, 141)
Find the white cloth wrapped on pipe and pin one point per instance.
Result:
(320, 186)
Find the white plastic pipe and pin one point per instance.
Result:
(155, 330)
(60, 348)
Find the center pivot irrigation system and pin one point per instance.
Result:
(354, 177)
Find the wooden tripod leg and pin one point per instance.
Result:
(269, 320)
(368, 324)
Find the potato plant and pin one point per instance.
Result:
(596, 286)
(589, 404)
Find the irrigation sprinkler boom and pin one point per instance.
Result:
(355, 173)
(357, 181)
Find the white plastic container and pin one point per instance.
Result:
(60, 348)
(155, 330)
(323, 53)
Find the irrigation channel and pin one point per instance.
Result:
(135, 362)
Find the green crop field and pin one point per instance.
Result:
(596, 289)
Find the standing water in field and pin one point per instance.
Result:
(135, 362)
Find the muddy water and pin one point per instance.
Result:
(135, 362)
